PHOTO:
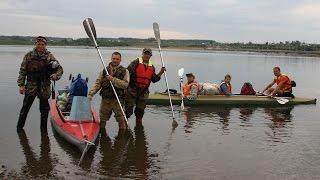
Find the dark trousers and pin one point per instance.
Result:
(27, 103)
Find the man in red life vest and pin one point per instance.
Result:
(142, 73)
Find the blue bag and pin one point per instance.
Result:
(78, 87)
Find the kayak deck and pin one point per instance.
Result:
(71, 130)
(249, 100)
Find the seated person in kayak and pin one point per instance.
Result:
(283, 82)
(190, 89)
(225, 86)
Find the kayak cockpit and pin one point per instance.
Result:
(80, 111)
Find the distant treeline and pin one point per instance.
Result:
(293, 46)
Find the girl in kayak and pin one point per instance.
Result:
(225, 86)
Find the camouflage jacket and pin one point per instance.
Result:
(33, 80)
(118, 83)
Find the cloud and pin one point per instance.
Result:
(222, 20)
(310, 10)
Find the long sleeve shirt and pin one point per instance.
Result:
(119, 83)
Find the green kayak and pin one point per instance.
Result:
(212, 100)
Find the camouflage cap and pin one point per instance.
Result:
(41, 39)
(147, 50)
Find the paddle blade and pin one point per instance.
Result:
(182, 106)
(282, 100)
(156, 31)
(90, 29)
(181, 72)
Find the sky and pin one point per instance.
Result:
(220, 20)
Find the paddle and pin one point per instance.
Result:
(280, 100)
(180, 74)
(156, 31)
(91, 32)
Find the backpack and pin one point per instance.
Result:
(78, 87)
(247, 89)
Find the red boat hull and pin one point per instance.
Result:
(71, 130)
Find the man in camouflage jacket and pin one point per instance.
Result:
(119, 76)
(38, 67)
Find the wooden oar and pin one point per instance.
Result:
(180, 74)
(156, 31)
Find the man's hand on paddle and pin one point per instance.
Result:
(163, 69)
(22, 89)
(109, 77)
(54, 77)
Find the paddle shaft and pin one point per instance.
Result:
(105, 68)
(166, 79)
(181, 89)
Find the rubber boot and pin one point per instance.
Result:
(44, 120)
(138, 121)
(27, 102)
(122, 124)
(102, 124)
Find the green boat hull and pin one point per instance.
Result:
(218, 100)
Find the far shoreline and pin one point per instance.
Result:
(268, 52)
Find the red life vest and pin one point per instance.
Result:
(286, 86)
(144, 74)
(186, 89)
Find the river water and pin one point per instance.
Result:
(209, 143)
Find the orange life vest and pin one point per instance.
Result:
(286, 86)
(186, 89)
(144, 74)
(229, 87)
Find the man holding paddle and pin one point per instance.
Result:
(119, 77)
(283, 82)
(142, 73)
(38, 67)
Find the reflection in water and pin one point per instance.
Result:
(280, 124)
(127, 156)
(74, 153)
(36, 167)
(245, 115)
(194, 114)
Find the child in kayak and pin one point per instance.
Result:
(191, 88)
(225, 86)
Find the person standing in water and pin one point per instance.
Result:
(119, 76)
(37, 69)
(142, 73)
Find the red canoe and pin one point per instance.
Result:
(81, 133)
